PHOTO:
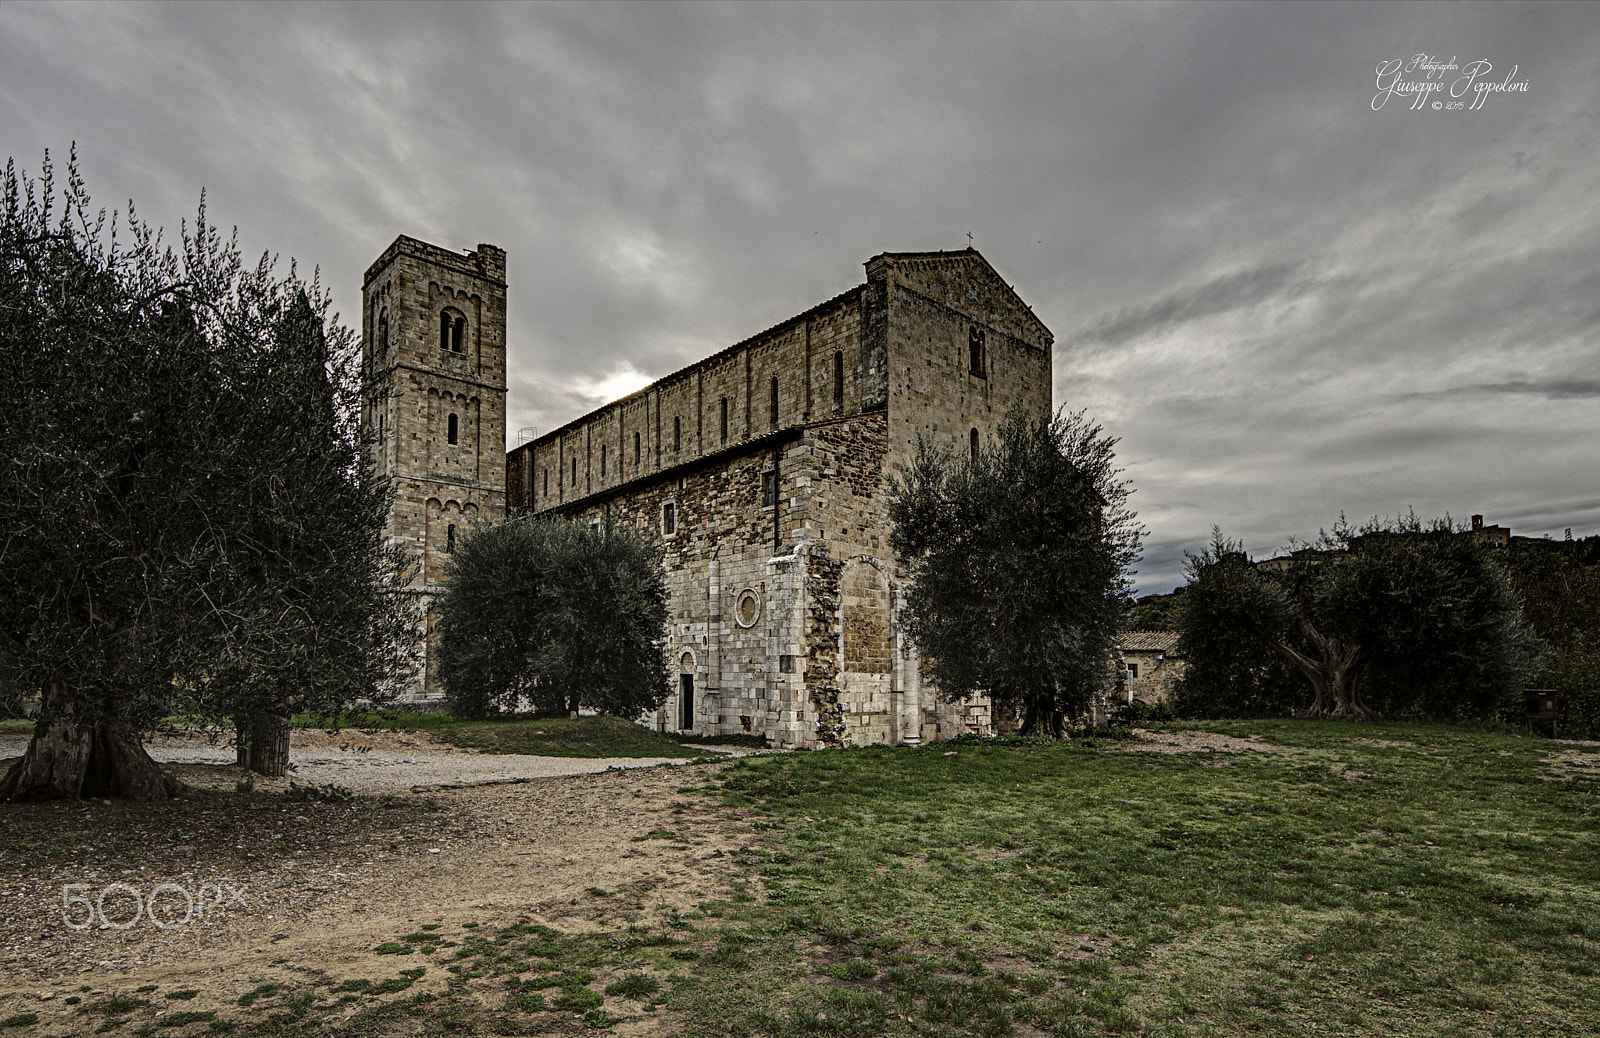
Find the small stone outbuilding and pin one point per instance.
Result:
(1152, 663)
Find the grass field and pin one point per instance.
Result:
(1380, 879)
(1329, 880)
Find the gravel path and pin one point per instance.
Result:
(371, 762)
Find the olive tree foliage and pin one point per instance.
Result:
(1404, 618)
(1019, 565)
(1225, 619)
(1560, 585)
(191, 524)
(543, 614)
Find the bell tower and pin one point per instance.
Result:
(434, 341)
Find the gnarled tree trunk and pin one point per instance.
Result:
(1044, 719)
(1334, 673)
(72, 756)
(262, 742)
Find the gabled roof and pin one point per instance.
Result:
(1148, 641)
(923, 272)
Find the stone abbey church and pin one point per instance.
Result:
(763, 469)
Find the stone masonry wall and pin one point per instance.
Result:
(422, 383)
(679, 419)
(785, 614)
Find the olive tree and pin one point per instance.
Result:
(191, 522)
(543, 614)
(1019, 559)
(1403, 618)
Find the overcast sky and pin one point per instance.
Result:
(1286, 302)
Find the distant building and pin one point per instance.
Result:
(1499, 536)
(1152, 663)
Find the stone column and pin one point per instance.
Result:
(908, 664)
(715, 627)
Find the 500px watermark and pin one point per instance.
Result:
(118, 906)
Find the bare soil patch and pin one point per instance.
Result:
(322, 885)
(1147, 741)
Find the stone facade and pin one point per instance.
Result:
(764, 471)
(434, 341)
(1151, 663)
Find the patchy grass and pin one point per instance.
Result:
(16, 724)
(1356, 880)
(1372, 879)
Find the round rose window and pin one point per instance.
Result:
(748, 609)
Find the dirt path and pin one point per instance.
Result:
(366, 762)
(574, 852)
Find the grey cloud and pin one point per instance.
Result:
(1234, 291)
(1552, 389)
(1404, 296)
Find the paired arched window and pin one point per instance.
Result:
(452, 431)
(975, 351)
(452, 331)
(838, 380)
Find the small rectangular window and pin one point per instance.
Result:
(669, 519)
(1133, 671)
(769, 488)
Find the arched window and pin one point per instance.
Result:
(602, 461)
(724, 419)
(452, 331)
(383, 332)
(774, 403)
(453, 430)
(975, 358)
(635, 450)
(450, 537)
(838, 380)
(677, 436)
(974, 446)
